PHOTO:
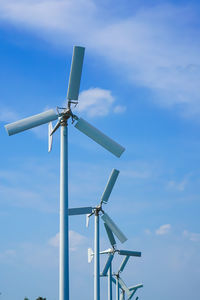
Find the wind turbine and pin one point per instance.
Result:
(133, 290)
(63, 115)
(124, 289)
(107, 271)
(108, 266)
(110, 223)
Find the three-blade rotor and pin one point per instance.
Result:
(110, 226)
(66, 113)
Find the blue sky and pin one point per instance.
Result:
(140, 85)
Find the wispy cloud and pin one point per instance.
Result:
(158, 46)
(180, 186)
(16, 188)
(8, 115)
(75, 240)
(7, 256)
(95, 102)
(163, 229)
(192, 236)
(118, 109)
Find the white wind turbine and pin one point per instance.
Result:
(110, 224)
(63, 115)
(107, 271)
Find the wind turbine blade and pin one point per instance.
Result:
(106, 251)
(50, 137)
(110, 184)
(87, 220)
(121, 296)
(107, 265)
(113, 280)
(31, 122)
(135, 287)
(124, 287)
(110, 235)
(79, 211)
(99, 137)
(132, 294)
(55, 128)
(75, 73)
(119, 234)
(90, 255)
(123, 264)
(129, 253)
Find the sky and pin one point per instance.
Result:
(140, 86)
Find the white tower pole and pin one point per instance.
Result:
(110, 282)
(96, 257)
(117, 288)
(64, 239)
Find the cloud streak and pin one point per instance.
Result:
(98, 102)
(163, 230)
(192, 236)
(156, 47)
(76, 240)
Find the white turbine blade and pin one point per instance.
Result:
(135, 287)
(55, 128)
(99, 137)
(106, 251)
(79, 211)
(129, 253)
(113, 280)
(50, 137)
(123, 264)
(119, 234)
(122, 295)
(110, 184)
(132, 294)
(90, 255)
(31, 122)
(75, 73)
(107, 265)
(87, 220)
(124, 286)
(110, 235)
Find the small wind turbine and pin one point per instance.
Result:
(63, 115)
(108, 266)
(107, 271)
(110, 223)
(133, 290)
(124, 289)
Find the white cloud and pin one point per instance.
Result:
(75, 240)
(7, 115)
(164, 229)
(54, 240)
(195, 237)
(119, 109)
(179, 185)
(158, 47)
(147, 231)
(18, 190)
(95, 102)
(7, 255)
